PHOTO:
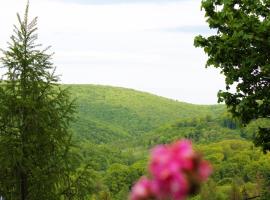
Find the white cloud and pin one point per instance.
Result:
(124, 45)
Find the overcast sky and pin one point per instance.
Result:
(142, 44)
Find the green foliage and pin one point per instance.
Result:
(97, 131)
(120, 158)
(119, 178)
(209, 192)
(35, 114)
(199, 130)
(240, 50)
(235, 193)
(118, 154)
(128, 111)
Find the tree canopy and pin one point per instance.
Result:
(240, 48)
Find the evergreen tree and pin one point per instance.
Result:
(34, 119)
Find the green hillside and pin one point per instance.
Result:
(116, 127)
(125, 111)
(203, 130)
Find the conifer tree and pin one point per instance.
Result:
(35, 113)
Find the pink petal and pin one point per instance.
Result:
(141, 190)
(204, 170)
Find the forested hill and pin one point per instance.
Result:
(116, 127)
(105, 112)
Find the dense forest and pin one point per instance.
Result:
(116, 152)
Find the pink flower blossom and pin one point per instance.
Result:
(176, 172)
(171, 159)
(183, 153)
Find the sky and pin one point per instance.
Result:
(146, 45)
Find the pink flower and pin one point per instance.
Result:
(174, 186)
(171, 159)
(183, 153)
(183, 148)
(179, 187)
(142, 189)
(161, 158)
(176, 172)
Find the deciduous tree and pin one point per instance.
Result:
(240, 48)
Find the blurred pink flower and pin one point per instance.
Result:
(174, 186)
(142, 190)
(177, 171)
(166, 160)
(183, 154)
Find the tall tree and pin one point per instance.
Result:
(35, 113)
(240, 48)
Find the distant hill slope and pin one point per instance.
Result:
(200, 130)
(125, 111)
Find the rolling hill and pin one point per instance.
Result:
(122, 112)
(116, 127)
